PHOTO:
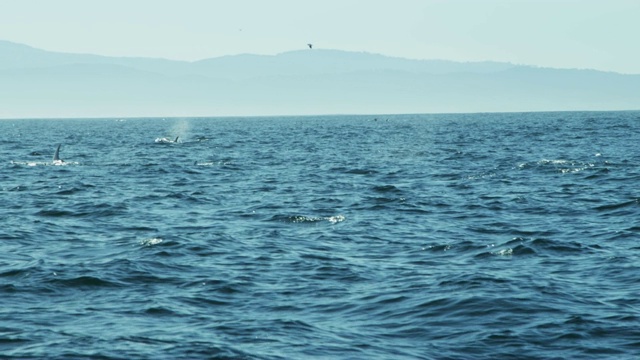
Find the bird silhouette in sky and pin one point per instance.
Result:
(310, 46)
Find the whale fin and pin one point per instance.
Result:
(176, 140)
(56, 156)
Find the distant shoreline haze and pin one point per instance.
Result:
(45, 84)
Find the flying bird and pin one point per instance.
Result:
(310, 46)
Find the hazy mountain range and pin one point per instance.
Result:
(38, 83)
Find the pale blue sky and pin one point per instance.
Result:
(596, 34)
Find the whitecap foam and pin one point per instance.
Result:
(336, 219)
(151, 241)
(45, 163)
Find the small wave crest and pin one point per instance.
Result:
(296, 219)
(617, 206)
(151, 241)
(558, 165)
(44, 163)
(85, 282)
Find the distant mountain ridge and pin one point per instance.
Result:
(13, 55)
(39, 83)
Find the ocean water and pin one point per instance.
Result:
(471, 236)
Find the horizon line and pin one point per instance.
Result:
(309, 115)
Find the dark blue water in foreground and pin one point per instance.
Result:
(486, 236)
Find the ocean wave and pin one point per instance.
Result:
(295, 219)
(419, 237)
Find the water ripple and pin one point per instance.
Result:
(470, 236)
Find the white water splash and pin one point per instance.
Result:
(151, 241)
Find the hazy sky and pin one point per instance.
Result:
(597, 34)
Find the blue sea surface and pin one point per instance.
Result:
(466, 236)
